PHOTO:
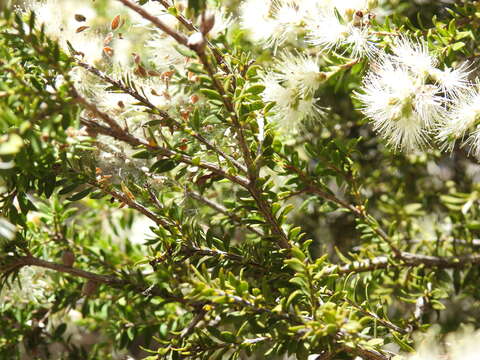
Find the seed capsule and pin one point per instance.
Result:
(81, 28)
(89, 288)
(68, 258)
(80, 17)
(108, 51)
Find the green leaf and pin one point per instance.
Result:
(80, 195)
(10, 145)
(163, 165)
(143, 154)
(256, 89)
(211, 94)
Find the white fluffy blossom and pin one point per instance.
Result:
(452, 81)
(256, 19)
(401, 106)
(408, 97)
(291, 85)
(277, 22)
(163, 51)
(290, 106)
(461, 345)
(299, 72)
(462, 122)
(416, 56)
(33, 286)
(329, 32)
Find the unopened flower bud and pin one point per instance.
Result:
(208, 22)
(68, 258)
(197, 42)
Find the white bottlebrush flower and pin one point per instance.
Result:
(117, 103)
(86, 83)
(463, 118)
(290, 106)
(300, 72)
(464, 344)
(306, 108)
(415, 55)
(274, 92)
(402, 108)
(288, 17)
(328, 32)
(223, 21)
(452, 81)
(256, 18)
(34, 286)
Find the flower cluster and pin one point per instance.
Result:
(325, 24)
(291, 85)
(314, 26)
(410, 99)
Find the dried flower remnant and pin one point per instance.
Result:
(80, 18)
(115, 24)
(61, 19)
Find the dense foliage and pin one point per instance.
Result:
(239, 179)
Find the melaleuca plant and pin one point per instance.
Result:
(239, 179)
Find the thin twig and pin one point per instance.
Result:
(263, 205)
(109, 280)
(179, 37)
(135, 205)
(406, 259)
(223, 210)
(134, 141)
(142, 99)
(189, 25)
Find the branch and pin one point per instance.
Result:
(359, 211)
(263, 206)
(109, 280)
(179, 37)
(189, 25)
(134, 205)
(135, 94)
(101, 279)
(122, 135)
(191, 251)
(405, 259)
